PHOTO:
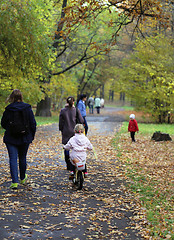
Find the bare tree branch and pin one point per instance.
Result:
(90, 76)
(60, 25)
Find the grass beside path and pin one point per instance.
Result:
(47, 120)
(149, 168)
(150, 128)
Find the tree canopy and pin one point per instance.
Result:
(147, 76)
(57, 47)
(78, 15)
(25, 41)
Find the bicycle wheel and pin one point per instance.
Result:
(80, 180)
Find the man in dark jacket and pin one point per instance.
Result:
(17, 145)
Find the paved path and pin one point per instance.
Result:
(49, 208)
(105, 123)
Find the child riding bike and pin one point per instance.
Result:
(78, 145)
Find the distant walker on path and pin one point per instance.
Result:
(91, 105)
(97, 104)
(102, 103)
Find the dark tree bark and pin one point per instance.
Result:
(60, 25)
(86, 82)
(44, 108)
(122, 96)
(111, 95)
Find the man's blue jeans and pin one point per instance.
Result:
(15, 151)
(85, 125)
(91, 109)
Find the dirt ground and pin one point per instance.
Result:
(48, 207)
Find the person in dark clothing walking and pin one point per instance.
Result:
(91, 105)
(69, 116)
(17, 145)
(132, 127)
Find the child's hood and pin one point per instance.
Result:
(80, 139)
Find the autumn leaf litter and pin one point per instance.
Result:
(48, 206)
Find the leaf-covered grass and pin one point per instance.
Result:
(148, 128)
(149, 168)
(126, 108)
(1, 131)
(46, 120)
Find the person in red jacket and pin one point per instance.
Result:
(133, 127)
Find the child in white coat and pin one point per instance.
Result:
(78, 145)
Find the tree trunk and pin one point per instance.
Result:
(44, 108)
(122, 96)
(112, 95)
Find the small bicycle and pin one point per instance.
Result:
(78, 178)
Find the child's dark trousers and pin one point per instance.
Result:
(132, 136)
